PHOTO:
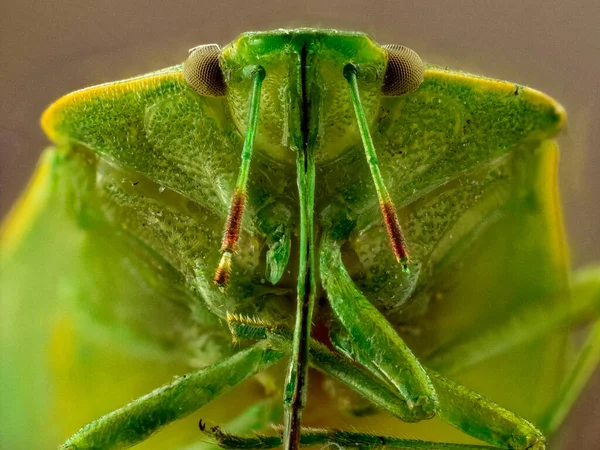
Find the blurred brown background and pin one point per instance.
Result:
(50, 48)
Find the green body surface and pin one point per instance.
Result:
(108, 262)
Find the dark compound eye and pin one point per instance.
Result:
(203, 72)
(404, 71)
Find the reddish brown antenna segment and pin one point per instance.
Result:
(234, 222)
(230, 237)
(394, 231)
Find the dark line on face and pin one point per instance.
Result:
(305, 105)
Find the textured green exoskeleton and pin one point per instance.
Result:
(393, 224)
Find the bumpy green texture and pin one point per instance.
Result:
(108, 291)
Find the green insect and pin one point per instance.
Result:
(392, 224)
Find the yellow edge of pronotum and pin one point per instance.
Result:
(50, 115)
(22, 215)
(529, 94)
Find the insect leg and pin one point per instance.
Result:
(331, 364)
(584, 303)
(482, 418)
(137, 420)
(467, 410)
(255, 419)
(236, 209)
(375, 339)
(331, 438)
(385, 201)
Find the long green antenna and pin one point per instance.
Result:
(296, 386)
(236, 209)
(387, 207)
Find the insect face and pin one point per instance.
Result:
(304, 97)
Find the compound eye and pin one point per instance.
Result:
(202, 71)
(404, 71)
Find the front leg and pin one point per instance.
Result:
(375, 340)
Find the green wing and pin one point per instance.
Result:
(90, 318)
